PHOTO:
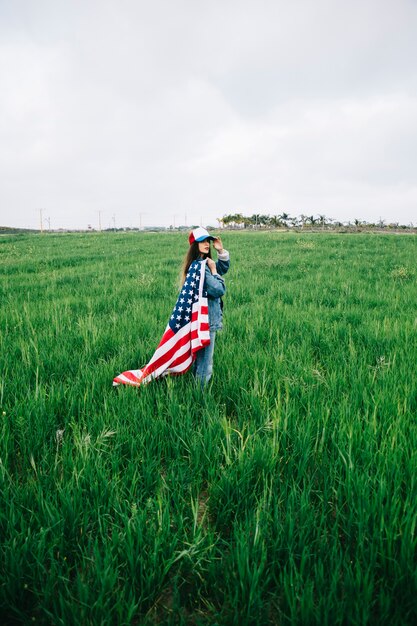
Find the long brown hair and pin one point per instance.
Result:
(192, 254)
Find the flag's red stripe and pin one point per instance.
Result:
(195, 333)
(130, 381)
(181, 366)
(165, 368)
(196, 314)
(168, 344)
(203, 344)
(180, 360)
(131, 376)
(152, 366)
(166, 337)
(190, 350)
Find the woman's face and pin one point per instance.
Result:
(204, 247)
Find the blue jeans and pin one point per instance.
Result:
(203, 365)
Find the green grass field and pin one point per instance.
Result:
(285, 494)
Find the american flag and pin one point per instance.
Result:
(187, 332)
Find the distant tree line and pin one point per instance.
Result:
(256, 221)
(284, 220)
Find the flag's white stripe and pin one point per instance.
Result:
(170, 343)
(197, 324)
(201, 284)
(137, 373)
(197, 344)
(182, 350)
(165, 365)
(178, 335)
(181, 367)
(201, 319)
(123, 378)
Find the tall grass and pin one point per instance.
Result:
(286, 493)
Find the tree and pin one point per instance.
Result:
(237, 219)
(303, 219)
(264, 220)
(255, 219)
(233, 219)
(311, 220)
(276, 221)
(285, 218)
(322, 221)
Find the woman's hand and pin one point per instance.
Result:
(217, 243)
(212, 266)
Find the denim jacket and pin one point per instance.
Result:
(216, 288)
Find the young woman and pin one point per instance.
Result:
(199, 240)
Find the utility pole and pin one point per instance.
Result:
(99, 220)
(40, 212)
(114, 222)
(140, 219)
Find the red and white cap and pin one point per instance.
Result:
(200, 234)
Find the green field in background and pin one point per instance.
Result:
(285, 494)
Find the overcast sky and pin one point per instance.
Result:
(163, 111)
